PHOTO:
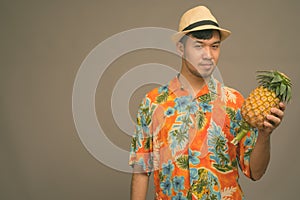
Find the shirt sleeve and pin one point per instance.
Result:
(246, 145)
(141, 143)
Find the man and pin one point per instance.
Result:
(184, 128)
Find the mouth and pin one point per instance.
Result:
(206, 65)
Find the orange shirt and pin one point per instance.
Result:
(185, 142)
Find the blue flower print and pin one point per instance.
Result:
(141, 163)
(181, 103)
(170, 111)
(192, 107)
(247, 141)
(166, 186)
(233, 126)
(238, 116)
(167, 168)
(179, 197)
(194, 176)
(144, 125)
(193, 157)
(139, 137)
(205, 107)
(178, 183)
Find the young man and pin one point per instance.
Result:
(184, 128)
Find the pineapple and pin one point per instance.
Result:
(274, 87)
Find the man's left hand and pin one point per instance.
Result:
(274, 119)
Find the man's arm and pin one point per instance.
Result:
(139, 185)
(260, 156)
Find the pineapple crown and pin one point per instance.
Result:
(277, 82)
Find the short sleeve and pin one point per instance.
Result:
(247, 144)
(245, 147)
(141, 143)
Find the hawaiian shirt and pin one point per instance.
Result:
(185, 142)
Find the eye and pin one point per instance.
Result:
(198, 46)
(215, 46)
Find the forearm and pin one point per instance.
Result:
(139, 186)
(260, 156)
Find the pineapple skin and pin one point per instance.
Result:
(258, 105)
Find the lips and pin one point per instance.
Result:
(206, 65)
(210, 63)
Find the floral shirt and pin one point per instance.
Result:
(185, 142)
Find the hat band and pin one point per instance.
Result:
(200, 23)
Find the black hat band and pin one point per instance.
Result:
(200, 23)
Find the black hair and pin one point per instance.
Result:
(202, 35)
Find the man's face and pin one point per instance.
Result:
(201, 56)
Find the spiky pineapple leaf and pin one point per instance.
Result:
(277, 92)
(289, 94)
(282, 89)
(277, 79)
(277, 82)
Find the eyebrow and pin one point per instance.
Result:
(201, 42)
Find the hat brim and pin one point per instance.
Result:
(224, 33)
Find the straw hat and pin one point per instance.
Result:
(198, 18)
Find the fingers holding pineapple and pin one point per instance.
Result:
(274, 118)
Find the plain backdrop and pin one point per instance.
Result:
(43, 44)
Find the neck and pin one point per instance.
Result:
(191, 81)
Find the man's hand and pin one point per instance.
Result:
(273, 120)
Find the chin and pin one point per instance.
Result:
(202, 74)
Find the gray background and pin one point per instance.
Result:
(43, 44)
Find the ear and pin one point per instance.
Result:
(180, 48)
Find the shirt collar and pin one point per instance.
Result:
(177, 88)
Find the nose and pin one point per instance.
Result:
(207, 54)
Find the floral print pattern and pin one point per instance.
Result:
(185, 142)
